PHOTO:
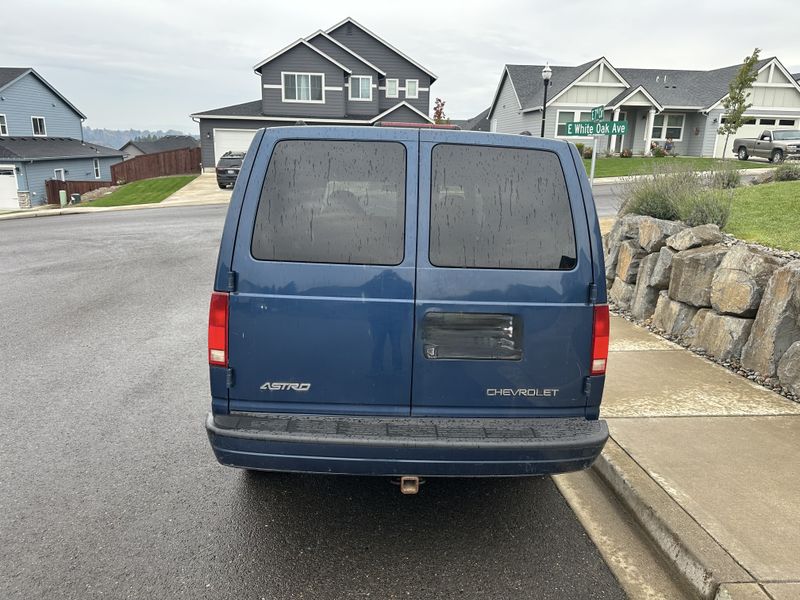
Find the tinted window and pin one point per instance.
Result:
(333, 202)
(500, 208)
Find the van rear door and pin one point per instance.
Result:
(321, 320)
(503, 313)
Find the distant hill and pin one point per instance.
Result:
(117, 138)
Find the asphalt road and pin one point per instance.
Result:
(108, 487)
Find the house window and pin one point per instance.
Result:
(570, 116)
(361, 87)
(412, 88)
(392, 88)
(766, 121)
(96, 165)
(39, 127)
(3, 125)
(668, 126)
(59, 174)
(303, 87)
(786, 122)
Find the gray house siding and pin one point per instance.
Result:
(32, 175)
(395, 66)
(30, 97)
(302, 59)
(506, 111)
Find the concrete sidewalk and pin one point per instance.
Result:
(707, 462)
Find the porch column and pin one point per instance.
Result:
(613, 137)
(648, 131)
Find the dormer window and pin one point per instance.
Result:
(304, 87)
(39, 128)
(361, 87)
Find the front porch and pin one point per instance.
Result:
(646, 125)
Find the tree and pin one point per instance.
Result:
(735, 103)
(438, 111)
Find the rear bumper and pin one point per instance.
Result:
(406, 446)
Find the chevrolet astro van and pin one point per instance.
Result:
(408, 301)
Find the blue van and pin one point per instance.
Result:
(408, 302)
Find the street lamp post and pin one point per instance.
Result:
(547, 73)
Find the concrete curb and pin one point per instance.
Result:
(626, 178)
(698, 559)
(79, 210)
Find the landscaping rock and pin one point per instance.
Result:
(630, 254)
(692, 274)
(740, 280)
(659, 278)
(723, 336)
(672, 317)
(789, 369)
(690, 334)
(702, 235)
(645, 297)
(777, 323)
(621, 293)
(653, 233)
(624, 228)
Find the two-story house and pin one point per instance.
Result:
(344, 75)
(684, 106)
(41, 138)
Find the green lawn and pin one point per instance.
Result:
(768, 214)
(146, 191)
(637, 165)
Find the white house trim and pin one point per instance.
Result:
(307, 45)
(774, 62)
(346, 49)
(382, 41)
(395, 107)
(633, 92)
(604, 65)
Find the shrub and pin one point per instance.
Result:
(709, 206)
(725, 176)
(658, 152)
(587, 152)
(661, 193)
(580, 148)
(626, 153)
(787, 172)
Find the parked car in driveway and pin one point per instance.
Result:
(228, 168)
(408, 302)
(775, 144)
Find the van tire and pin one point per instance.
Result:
(741, 154)
(776, 157)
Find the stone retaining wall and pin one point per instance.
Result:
(719, 296)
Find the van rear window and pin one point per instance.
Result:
(333, 202)
(499, 208)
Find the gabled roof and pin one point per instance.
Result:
(346, 49)
(796, 76)
(628, 93)
(479, 122)
(168, 142)
(9, 75)
(44, 148)
(257, 68)
(382, 41)
(402, 104)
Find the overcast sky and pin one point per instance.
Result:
(147, 64)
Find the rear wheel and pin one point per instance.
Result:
(776, 156)
(742, 153)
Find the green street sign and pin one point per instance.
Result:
(589, 128)
(597, 113)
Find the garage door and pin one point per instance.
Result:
(751, 129)
(231, 140)
(8, 187)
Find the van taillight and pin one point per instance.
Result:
(218, 329)
(600, 331)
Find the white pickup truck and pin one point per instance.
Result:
(775, 144)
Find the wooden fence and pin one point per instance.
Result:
(53, 186)
(147, 166)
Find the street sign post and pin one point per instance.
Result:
(598, 112)
(594, 128)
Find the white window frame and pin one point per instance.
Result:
(33, 127)
(416, 89)
(3, 125)
(96, 167)
(283, 87)
(62, 177)
(664, 126)
(351, 86)
(396, 88)
(576, 116)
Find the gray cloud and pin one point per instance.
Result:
(148, 64)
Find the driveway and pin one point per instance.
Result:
(203, 190)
